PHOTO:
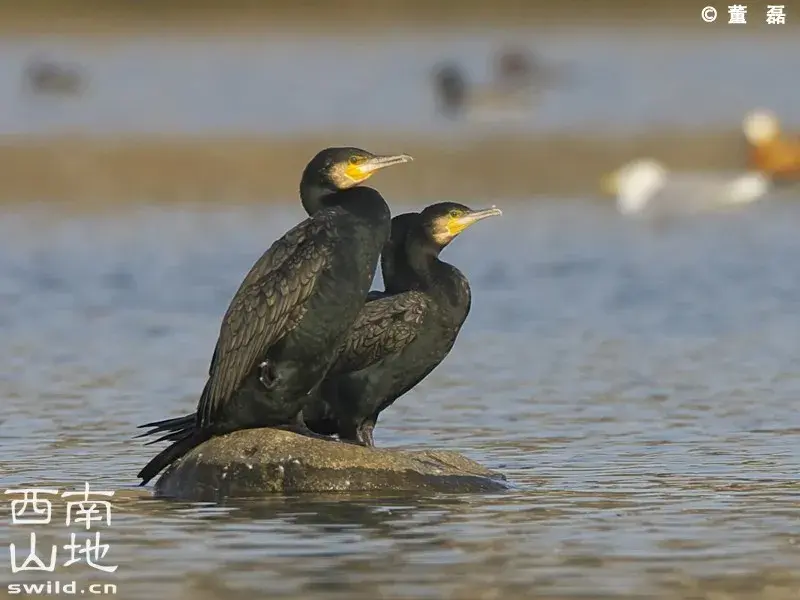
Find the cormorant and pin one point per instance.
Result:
(400, 336)
(291, 313)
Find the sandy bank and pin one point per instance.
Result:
(98, 171)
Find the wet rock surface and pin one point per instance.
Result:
(268, 461)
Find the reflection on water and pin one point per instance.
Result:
(616, 79)
(639, 386)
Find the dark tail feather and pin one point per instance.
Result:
(172, 436)
(176, 425)
(183, 442)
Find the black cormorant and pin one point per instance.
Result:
(291, 313)
(402, 334)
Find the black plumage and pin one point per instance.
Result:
(401, 334)
(396, 277)
(397, 274)
(293, 309)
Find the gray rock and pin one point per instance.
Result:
(255, 462)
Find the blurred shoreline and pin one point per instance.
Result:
(86, 170)
(82, 17)
(94, 172)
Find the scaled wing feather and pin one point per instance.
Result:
(268, 305)
(384, 326)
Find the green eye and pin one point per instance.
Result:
(354, 160)
(455, 213)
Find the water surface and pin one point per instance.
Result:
(640, 387)
(618, 79)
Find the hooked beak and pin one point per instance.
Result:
(459, 224)
(374, 164)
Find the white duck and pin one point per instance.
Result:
(646, 187)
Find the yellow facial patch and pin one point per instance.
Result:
(447, 227)
(355, 170)
(456, 225)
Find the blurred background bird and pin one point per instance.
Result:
(519, 79)
(49, 77)
(769, 150)
(645, 187)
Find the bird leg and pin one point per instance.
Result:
(364, 434)
(350, 433)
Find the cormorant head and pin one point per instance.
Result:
(336, 169)
(342, 168)
(442, 222)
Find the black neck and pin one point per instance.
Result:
(394, 262)
(425, 272)
(313, 195)
(422, 259)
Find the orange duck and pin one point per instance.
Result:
(770, 152)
